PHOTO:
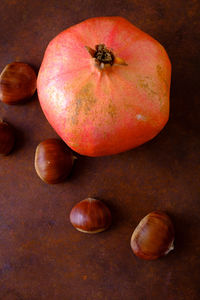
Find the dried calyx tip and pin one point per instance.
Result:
(91, 199)
(171, 247)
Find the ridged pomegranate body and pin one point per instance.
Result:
(105, 110)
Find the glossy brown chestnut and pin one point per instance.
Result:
(7, 138)
(153, 237)
(53, 161)
(90, 216)
(17, 83)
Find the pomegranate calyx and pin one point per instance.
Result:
(104, 57)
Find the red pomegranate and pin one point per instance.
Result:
(104, 86)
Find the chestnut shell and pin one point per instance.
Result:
(153, 237)
(17, 83)
(53, 161)
(90, 216)
(7, 138)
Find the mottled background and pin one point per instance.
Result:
(41, 255)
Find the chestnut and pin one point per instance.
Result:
(7, 138)
(90, 216)
(17, 83)
(53, 161)
(153, 237)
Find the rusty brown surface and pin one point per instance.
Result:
(41, 255)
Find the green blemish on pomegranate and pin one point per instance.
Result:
(161, 75)
(84, 102)
(112, 110)
(146, 86)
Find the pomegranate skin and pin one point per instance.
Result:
(104, 111)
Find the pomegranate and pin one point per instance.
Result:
(104, 86)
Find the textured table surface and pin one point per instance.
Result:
(41, 255)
